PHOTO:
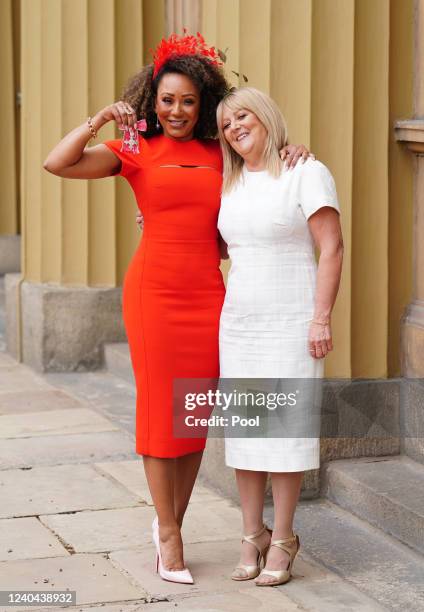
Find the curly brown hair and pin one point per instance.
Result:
(141, 90)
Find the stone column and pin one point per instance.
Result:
(9, 111)
(180, 14)
(410, 132)
(78, 236)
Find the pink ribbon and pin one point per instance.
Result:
(130, 136)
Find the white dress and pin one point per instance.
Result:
(269, 301)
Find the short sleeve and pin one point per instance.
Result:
(129, 162)
(316, 188)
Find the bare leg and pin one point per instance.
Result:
(285, 491)
(171, 483)
(186, 469)
(251, 487)
(160, 474)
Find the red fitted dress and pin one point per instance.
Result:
(173, 290)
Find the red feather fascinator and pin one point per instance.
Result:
(177, 45)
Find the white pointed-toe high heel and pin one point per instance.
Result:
(183, 576)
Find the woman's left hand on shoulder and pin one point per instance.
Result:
(320, 341)
(139, 219)
(291, 154)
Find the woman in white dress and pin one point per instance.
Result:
(275, 321)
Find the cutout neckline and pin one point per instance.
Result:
(185, 166)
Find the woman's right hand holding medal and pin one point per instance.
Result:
(72, 158)
(121, 112)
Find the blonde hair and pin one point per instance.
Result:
(268, 113)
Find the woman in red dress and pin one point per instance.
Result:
(173, 290)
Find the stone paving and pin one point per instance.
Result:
(75, 512)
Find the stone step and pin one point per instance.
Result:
(387, 492)
(376, 564)
(118, 361)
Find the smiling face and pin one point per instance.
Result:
(245, 134)
(177, 106)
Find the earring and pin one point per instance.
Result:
(157, 123)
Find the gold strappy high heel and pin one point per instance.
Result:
(251, 571)
(290, 546)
